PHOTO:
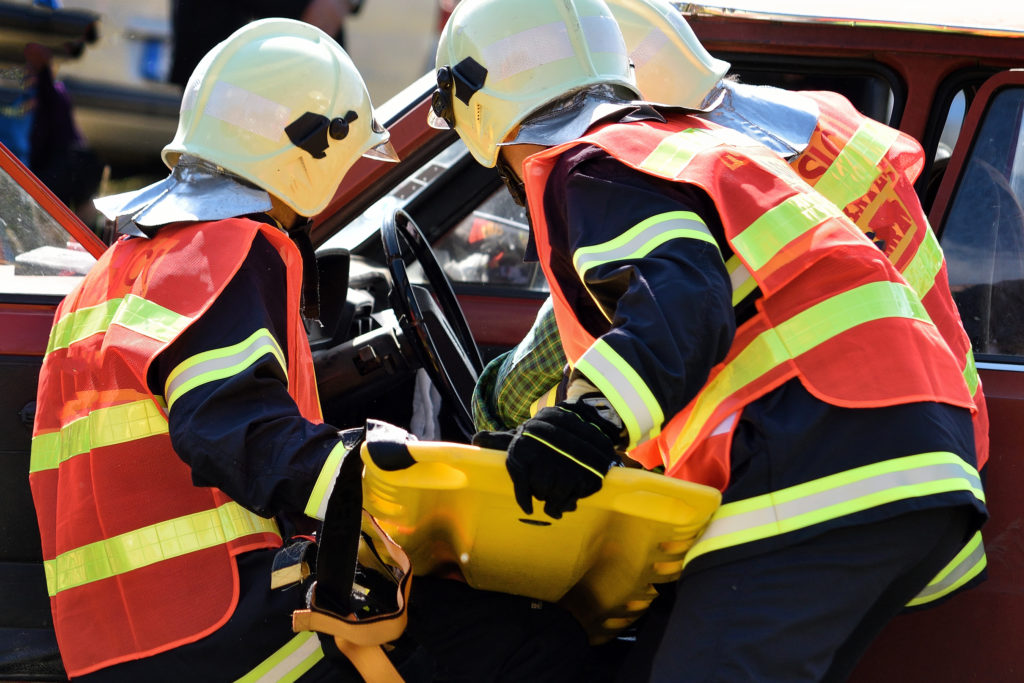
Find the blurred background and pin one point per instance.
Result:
(85, 94)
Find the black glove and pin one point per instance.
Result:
(558, 456)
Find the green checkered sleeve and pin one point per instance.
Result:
(510, 383)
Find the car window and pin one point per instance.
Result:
(870, 88)
(366, 226)
(488, 246)
(983, 238)
(37, 255)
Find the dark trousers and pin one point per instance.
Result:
(806, 612)
(454, 634)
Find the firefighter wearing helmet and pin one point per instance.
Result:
(726, 322)
(179, 439)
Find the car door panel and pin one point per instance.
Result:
(977, 635)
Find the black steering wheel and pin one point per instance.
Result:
(441, 336)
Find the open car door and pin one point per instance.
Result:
(44, 251)
(978, 215)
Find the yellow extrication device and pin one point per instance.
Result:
(451, 507)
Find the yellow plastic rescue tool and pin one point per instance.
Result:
(450, 506)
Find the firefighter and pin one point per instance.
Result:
(179, 436)
(820, 398)
(862, 166)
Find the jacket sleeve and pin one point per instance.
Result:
(641, 262)
(235, 425)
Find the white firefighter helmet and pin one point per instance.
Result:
(280, 104)
(672, 67)
(498, 61)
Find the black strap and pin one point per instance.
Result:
(310, 275)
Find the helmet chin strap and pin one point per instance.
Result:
(515, 185)
(299, 234)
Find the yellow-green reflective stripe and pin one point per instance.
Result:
(316, 506)
(924, 267)
(216, 364)
(743, 283)
(102, 427)
(82, 323)
(132, 312)
(152, 544)
(621, 385)
(780, 225)
(971, 373)
(642, 239)
(674, 152)
(856, 167)
(963, 568)
(795, 336)
(290, 662)
(835, 496)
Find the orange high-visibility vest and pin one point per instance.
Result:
(869, 170)
(139, 560)
(828, 299)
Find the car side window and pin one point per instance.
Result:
(488, 245)
(983, 237)
(37, 256)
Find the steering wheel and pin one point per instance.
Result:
(441, 336)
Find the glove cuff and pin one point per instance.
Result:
(598, 411)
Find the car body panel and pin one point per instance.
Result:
(971, 637)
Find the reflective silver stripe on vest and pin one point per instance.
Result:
(835, 496)
(963, 568)
(221, 363)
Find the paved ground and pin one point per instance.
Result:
(392, 42)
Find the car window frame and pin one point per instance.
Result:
(954, 177)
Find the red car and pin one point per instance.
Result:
(955, 86)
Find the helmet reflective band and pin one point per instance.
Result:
(672, 67)
(262, 105)
(530, 53)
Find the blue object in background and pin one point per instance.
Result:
(16, 125)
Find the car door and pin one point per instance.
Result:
(44, 251)
(979, 216)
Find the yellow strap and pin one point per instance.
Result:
(360, 640)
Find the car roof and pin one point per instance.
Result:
(980, 17)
